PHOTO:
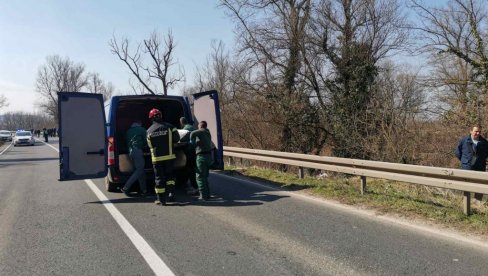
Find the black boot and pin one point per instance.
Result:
(171, 197)
(160, 199)
(203, 197)
(206, 193)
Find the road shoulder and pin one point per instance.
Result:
(4, 147)
(411, 222)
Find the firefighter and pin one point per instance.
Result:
(160, 138)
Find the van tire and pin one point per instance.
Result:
(110, 186)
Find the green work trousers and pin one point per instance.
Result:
(203, 165)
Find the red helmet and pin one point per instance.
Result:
(154, 113)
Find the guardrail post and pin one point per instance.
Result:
(363, 185)
(300, 172)
(467, 203)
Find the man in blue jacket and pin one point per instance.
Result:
(472, 151)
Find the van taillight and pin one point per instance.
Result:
(111, 151)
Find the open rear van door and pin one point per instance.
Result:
(82, 136)
(206, 108)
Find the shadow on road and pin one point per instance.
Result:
(245, 197)
(27, 159)
(185, 200)
(137, 199)
(285, 187)
(240, 200)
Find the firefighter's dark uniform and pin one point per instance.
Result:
(160, 138)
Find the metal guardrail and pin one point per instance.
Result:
(456, 179)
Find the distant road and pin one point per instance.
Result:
(49, 227)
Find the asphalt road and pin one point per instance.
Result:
(49, 227)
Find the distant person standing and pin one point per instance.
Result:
(202, 140)
(160, 138)
(44, 133)
(472, 151)
(136, 141)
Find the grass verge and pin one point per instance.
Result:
(432, 205)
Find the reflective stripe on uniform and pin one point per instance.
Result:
(162, 158)
(159, 190)
(170, 136)
(170, 182)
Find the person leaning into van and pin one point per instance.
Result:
(190, 165)
(160, 138)
(202, 140)
(136, 141)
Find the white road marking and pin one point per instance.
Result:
(53, 147)
(156, 264)
(445, 233)
(151, 257)
(6, 149)
(56, 149)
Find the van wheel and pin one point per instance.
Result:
(110, 186)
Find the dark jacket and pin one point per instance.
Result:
(160, 138)
(202, 140)
(472, 157)
(136, 137)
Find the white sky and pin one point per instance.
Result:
(31, 30)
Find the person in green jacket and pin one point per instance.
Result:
(185, 125)
(202, 140)
(189, 171)
(136, 141)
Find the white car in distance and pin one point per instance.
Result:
(24, 137)
(5, 135)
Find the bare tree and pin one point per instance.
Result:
(3, 101)
(453, 84)
(454, 36)
(241, 110)
(347, 39)
(57, 75)
(271, 38)
(215, 72)
(25, 120)
(314, 64)
(96, 85)
(151, 60)
(398, 105)
(62, 74)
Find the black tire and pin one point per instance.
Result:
(110, 186)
